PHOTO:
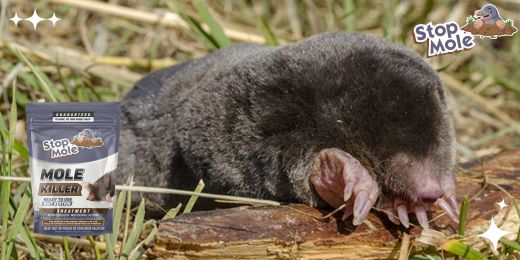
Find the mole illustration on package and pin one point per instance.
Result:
(73, 151)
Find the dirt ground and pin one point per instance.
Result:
(490, 30)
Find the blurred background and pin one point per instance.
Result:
(99, 49)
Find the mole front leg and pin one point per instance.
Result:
(339, 178)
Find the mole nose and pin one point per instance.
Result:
(430, 196)
(428, 189)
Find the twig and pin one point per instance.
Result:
(167, 19)
(169, 191)
(405, 245)
(191, 193)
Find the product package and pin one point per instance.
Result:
(73, 154)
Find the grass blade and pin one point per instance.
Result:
(110, 247)
(510, 244)
(18, 220)
(21, 150)
(136, 232)
(350, 21)
(518, 213)
(6, 185)
(139, 250)
(193, 198)
(94, 246)
(215, 29)
(54, 95)
(458, 248)
(118, 212)
(30, 243)
(66, 247)
(198, 28)
(172, 212)
(269, 36)
(463, 216)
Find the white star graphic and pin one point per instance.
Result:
(493, 234)
(35, 19)
(502, 204)
(15, 19)
(54, 19)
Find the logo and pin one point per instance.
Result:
(449, 37)
(35, 19)
(64, 147)
(486, 22)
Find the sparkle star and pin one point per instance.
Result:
(502, 204)
(54, 19)
(493, 234)
(35, 19)
(15, 19)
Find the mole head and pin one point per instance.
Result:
(409, 135)
(488, 12)
(86, 133)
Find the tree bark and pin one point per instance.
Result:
(297, 231)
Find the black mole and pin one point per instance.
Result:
(333, 118)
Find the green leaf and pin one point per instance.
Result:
(136, 231)
(193, 198)
(215, 29)
(463, 216)
(458, 248)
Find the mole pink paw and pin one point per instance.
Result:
(500, 24)
(478, 24)
(339, 178)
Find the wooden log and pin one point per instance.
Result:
(296, 231)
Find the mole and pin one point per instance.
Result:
(332, 119)
(489, 15)
(103, 188)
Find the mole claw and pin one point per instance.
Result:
(422, 218)
(346, 214)
(363, 215)
(349, 187)
(361, 201)
(393, 218)
(453, 203)
(446, 207)
(403, 215)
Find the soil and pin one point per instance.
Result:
(87, 142)
(490, 30)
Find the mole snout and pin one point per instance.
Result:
(430, 195)
(427, 186)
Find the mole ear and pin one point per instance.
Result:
(337, 176)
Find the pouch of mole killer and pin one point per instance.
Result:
(73, 152)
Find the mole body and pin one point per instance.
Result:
(333, 119)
